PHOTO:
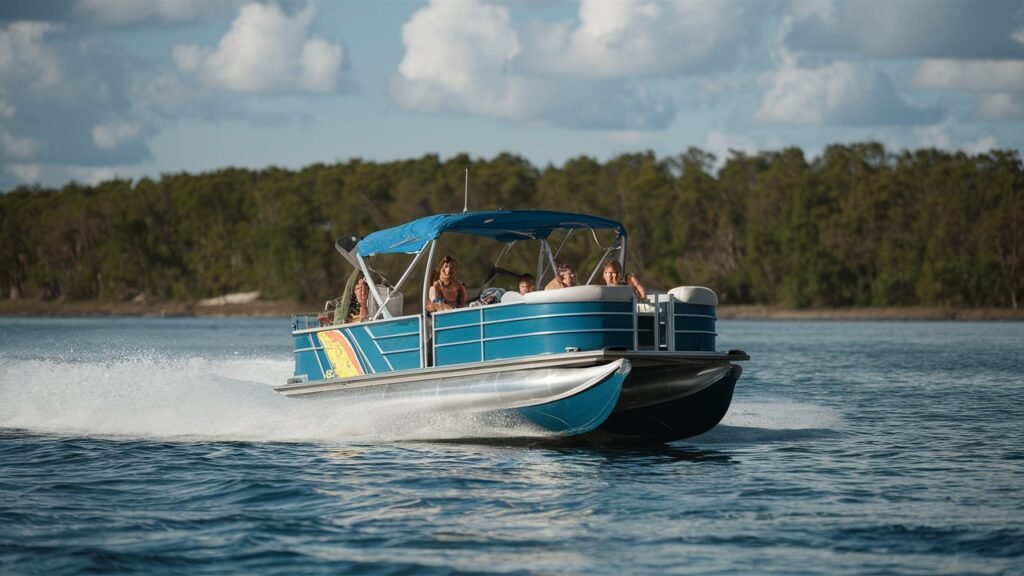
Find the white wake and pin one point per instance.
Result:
(198, 399)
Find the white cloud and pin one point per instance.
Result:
(883, 29)
(644, 38)
(187, 57)
(321, 65)
(266, 50)
(949, 134)
(935, 136)
(458, 56)
(112, 134)
(59, 89)
(70, 97)
(981, 145)
(24, 54)
(464, 57)
(626, 137)
(999, 84)
(165, 94)
(720, 143)
(1001, 106)
(26, 172)
(118, 12)
(822, 11)
(7, 110)
(840, 93)
(93, 175)
(973, 75)
(58, 174)
(20, 148)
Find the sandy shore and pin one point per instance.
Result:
(287, 307)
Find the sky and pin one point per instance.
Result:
(97, 89)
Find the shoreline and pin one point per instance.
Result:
(285, 308)
(895, 313)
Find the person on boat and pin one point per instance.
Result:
(611, 271)
(565, 278)
(446, 293)
(527, 284)
(359, 308)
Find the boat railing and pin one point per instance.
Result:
(579, 319)
(307, 321)
(653, 319)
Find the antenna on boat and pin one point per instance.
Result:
(465, 205)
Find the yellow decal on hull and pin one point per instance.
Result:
(342, 357)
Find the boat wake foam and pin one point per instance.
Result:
(201, 399)
(773, 421)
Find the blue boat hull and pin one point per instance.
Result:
(563, 396)
(580, 413)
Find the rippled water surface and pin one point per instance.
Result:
(159, 446)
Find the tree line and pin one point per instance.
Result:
(856, 226)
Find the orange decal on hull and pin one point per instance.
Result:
(343, 358)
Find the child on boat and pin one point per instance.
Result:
(527, 284)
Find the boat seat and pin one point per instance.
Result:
(511, 296)
(581, 294)
(572, 294)
(695, 295)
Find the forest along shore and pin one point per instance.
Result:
(856, 226)
(266, 308)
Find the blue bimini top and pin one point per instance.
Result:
(500, 225)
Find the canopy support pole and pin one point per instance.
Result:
(425, 331)
(381, 305)
(541, 268)
(600, 263)
(408, 271)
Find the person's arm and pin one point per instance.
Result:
(460, 300)
(638, 288)
(431, 298)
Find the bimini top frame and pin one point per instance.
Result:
(500, 225)
(508, 226)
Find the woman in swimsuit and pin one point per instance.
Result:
(612, 274)
(446, 293)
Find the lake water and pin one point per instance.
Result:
(158, 446)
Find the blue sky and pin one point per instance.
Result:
(93, 89)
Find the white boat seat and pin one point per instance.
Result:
(581, 294)
(572, 294)
(511, 296)
(695, 295)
